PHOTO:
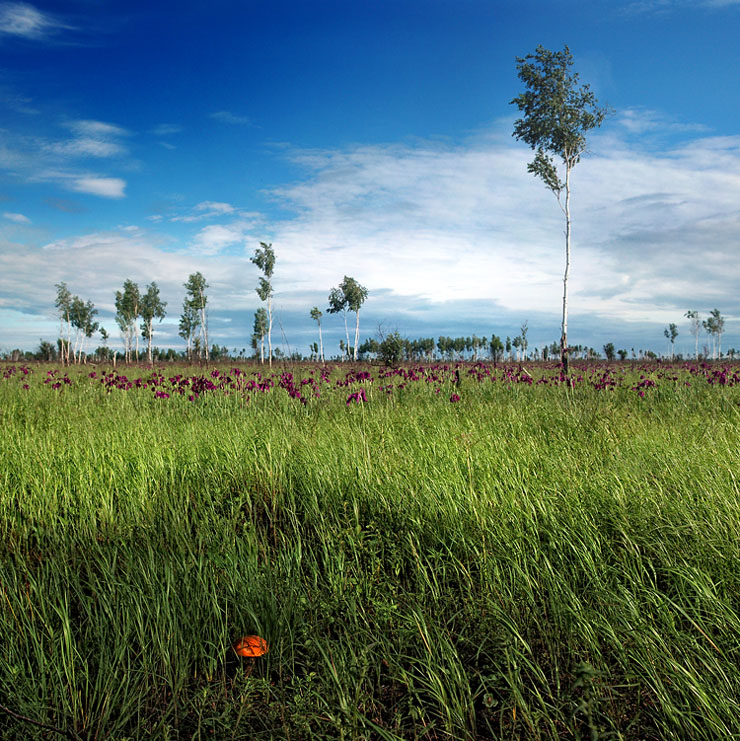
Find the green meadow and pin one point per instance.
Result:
(531, 561)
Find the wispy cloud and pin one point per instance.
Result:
(205, 210)
(640, 121)
(215, 238)
(92, 139)
(652, 230)
(18, 103)
(17, 218)
(97, 186)
(660, 7)
(166, 129)
(25, 21)
(65, 205)
(64, 161)
(231, 118)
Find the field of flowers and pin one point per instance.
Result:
(448, 551)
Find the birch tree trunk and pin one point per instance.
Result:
(357, 334)
(269, 329)
(564, 335)
(346, 334)
(204, 327)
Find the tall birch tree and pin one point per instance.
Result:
(337, 305)
(152, 307)
(188, 326)
(355, 296)
(557, 115)
(264, 259)
(714, 326)
(693, 317)
(316, 315)
(63, 304)
(196, 300)
(349, 296)
(128, 308)
(261, 323)
(670, 333)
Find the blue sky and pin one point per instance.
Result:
(372, 139)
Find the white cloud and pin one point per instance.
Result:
(230, 118)
(38, 159)
(652, 231)
(17, 218)
(22, 19)
(215, 207)
(18, 103)
(97, 129)
(210, 210)
(88, 147)
(93, 139)
(642, 121)
(214, 238)
(660, 7)
(97, 186)
(95, 265)
(166, 129)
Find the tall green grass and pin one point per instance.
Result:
(531, 562)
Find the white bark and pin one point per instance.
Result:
(564, 336)
(357, 335)
(269, 328)
(346, 334)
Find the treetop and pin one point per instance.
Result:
(557, 112)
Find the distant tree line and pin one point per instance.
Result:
(136, 312)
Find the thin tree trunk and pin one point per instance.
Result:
(149, 338)
(564, 335)
(269, 329)
(69, 339)
(135, 332)
(346, 334)
(357, 334)
(321, 343)
(204, 327)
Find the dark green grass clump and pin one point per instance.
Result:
(532, 561)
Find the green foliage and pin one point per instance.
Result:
(496, 348)
(193, 327)
(260, 323)
(609, 351)
(128, 305)
(337, 301)
(195, 289)
(152, 307)
(391, 349)
(264, 259)
(557, 113)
